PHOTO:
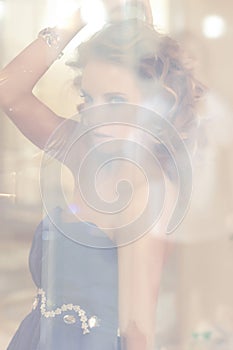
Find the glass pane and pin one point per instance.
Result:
(143, 146)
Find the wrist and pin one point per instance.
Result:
(56, 38)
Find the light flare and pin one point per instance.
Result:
(213, 26)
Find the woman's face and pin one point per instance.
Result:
(104, 82)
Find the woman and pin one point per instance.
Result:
(126, 64)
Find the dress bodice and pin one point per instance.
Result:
(77, 282)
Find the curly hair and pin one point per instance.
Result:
(156, 59)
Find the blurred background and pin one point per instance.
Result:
(195, 308)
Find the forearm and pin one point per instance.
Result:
(33, 118)
(22, 73)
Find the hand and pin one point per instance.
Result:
(120, 9)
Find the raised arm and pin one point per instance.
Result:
(35, 120)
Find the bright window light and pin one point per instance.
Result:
(213, 26)
(2, 9)
(58, 11)
(93, 13)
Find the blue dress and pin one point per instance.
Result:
(77, 302)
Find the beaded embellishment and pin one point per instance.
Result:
(86, 324)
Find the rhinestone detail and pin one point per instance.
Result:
(86, 324)
(93, 322)
(69, 319)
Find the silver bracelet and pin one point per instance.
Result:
(51, 38)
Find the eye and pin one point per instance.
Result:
(116, 99)
(87, 99)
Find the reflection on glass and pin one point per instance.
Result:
(106, 280)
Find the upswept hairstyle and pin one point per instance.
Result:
(156, 59)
